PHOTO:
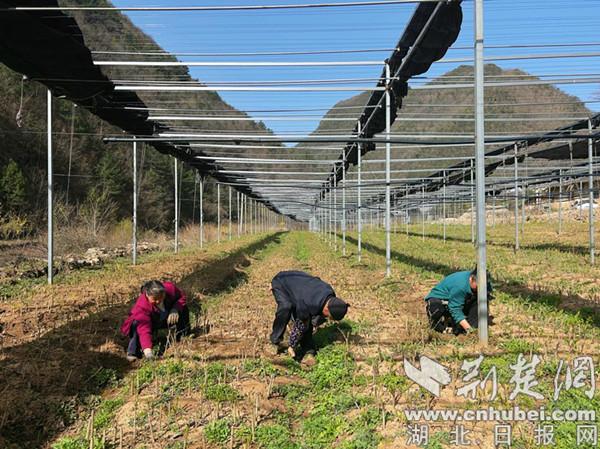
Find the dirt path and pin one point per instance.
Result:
(221, 390)
(240, 321)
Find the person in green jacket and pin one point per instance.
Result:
(453, 303)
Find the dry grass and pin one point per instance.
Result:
(221, 390)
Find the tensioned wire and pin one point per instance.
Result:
(218, 8)
(323, 52)
(336, 108)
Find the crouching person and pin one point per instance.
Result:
(308, 302)
(159, 305)
(452, 304)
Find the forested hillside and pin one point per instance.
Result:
(93, 180)
(98, 190)
(501, 102)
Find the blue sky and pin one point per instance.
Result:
(507, 22)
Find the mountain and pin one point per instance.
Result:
(100, 174)
(500, 103)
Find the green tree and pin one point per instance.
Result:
(13, 193)
(113, 175)
(156, 199)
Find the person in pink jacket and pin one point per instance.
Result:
(159, 305)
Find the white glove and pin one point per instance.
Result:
(173, 317)
(148, 353)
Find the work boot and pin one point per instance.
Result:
(309, 359)
(277, 349)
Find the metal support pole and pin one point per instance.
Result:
(444, 206)
(549, 203)
(580, 208)
(388, 149)
(218, 213)
(423, 212)
(201, 212)
(134, 224)
(480, 166)
(229, 214)
(472, 205)
(330, 224)
(335, 212)
(344, 204)
(245, 214)
(493, 205)
(516, 198)
(50, 193)
(525, 196)
(176, 205)
(323, 213)
(407, 215)
(237, 201)
(591, 193)
(359, 195)
(560, 185)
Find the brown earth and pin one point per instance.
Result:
(57, 338)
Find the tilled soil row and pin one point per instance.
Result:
(59, 339)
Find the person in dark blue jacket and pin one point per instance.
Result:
(453, 303)
(309, 302)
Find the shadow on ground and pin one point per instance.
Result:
(520, 291)
(332, 332)
(556, 246)
(45, 380)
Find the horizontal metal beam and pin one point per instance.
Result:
(520, 57)
(184, 118)
(216, 8)
(506, 84)
(236, 63)
(185, 138)
(238, 160)
(157, 88)
(248, 119)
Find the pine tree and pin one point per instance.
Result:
(13, 193)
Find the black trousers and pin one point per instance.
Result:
(284, 313)
(440, 318)
(183, 328)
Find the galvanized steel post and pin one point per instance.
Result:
(560, 184)
(359, 193)
(176, 205)
(344, 203)
(50, 237)
(229, 214)
(388, 149)
(591, 194)
(516, 198)
(480, 167)
(444, 206)
(201, 212)
(472, 205)
(335, 212)
(218, 213)
(134, 217)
